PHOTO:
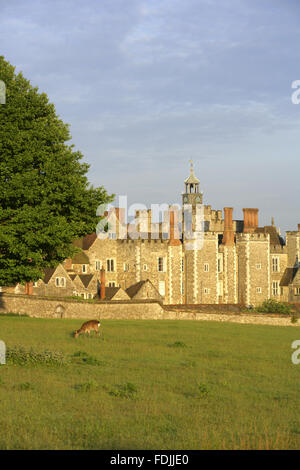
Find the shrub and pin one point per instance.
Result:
(177, 344)
(81, 357)
(127, 390)
(20, 356)
(86, 386)
(273, 306)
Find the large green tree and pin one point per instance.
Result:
(46, 200)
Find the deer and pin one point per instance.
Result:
(87, 327)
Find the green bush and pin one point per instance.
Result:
(81, 357)
(177, 344)
(127, 390)
(20, 356)
(273, 306)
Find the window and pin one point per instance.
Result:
(220, 264)
(162, 288)
(160, 264)
(281, 291)
(182, 264)
(98, 265)
(84, 268)
(60, 281)
(275, 285)
(275, 264)
(297, 291)
(258, 290)
(206, 267)
(182, 287)
(112, 235)
(112, 284)
(126, 267)
(258, 266)
(220, 288)
(206, 290)
(90, 296)
(145, 267)
(110, 265)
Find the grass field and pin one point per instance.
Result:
(149, 385)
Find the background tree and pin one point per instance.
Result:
(46, 200)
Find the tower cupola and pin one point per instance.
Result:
(192, 194)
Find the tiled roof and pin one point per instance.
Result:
(110, 292)
(86, 279)
(133, 290)
(288, 276)
(86, 242)
(48, 274)
(80, 258)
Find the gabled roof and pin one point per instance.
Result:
(288, 276)
(86, 278)
(86, 242)
(110, 292)
(48, 274)
(133, 290)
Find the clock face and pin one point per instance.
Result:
(185, 199)
(198, 199)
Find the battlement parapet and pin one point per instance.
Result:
(278, 249)
(254, 237)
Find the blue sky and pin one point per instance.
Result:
(148, 85)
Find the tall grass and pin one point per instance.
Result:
(149, 385)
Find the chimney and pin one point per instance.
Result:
(174, 232)
(102, 283)
(30, 285)
(228, 235)
(26, 288)
(149, 211)
(121, 226)
(250, 220)
(68, 263)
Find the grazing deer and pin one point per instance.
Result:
(87, 327)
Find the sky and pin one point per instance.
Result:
(147, 85)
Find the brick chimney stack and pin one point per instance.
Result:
(102, 283)
(250, 220)
(174, 232)
(228, 235)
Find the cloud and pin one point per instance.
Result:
(148, 84)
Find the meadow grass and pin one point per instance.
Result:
(148, 385)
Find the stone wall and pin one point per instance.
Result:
(46, 307)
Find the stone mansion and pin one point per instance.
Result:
(226, 261)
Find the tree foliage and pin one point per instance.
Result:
(46, 200)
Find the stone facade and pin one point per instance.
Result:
(225, 261)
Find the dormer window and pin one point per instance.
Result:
(84, 268)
